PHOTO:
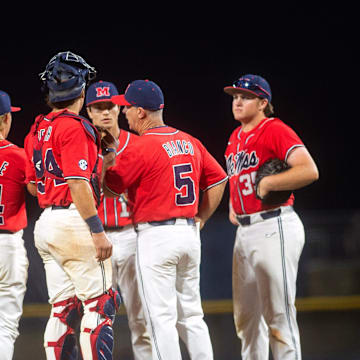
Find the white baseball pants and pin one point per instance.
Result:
(265, 265)
(66, 247)
(124, 277)
(13, 277)
(168, 270)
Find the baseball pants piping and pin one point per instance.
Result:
(168, 269)
(13, 274)
(124, 277)
(265, 265)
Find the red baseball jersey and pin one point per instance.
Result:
(115, 212)
(164, 169)
(12, 181)
(247, 151)
(67, 152)
(29, 168)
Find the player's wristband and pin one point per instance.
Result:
(109, 150)
(95, 224)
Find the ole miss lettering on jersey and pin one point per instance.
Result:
(247, 151)
(12, 182)
(164, 168)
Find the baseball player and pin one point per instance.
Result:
(115, 214)
(13, 258)
(165, 170)
(69, 234)
(269, 239)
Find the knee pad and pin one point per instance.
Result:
(66, 346)
(101, 338)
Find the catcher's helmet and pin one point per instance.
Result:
(65, 76)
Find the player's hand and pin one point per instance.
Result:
(263, 188)
(109, 160)
(102, 245)
(232, 217)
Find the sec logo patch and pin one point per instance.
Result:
(83, 164)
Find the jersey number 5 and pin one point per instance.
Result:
(181, 180)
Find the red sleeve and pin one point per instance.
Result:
(126, 171)
(22, 169)
(78, 150)
(29, 166)
(212, 173)
(282, 139)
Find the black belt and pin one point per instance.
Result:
(246, 220)
(190, 221)
(6, 231)
(59, 207)
(113, 228)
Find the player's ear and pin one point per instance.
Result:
(262, 104)
(88, 110)
(7, 118)
(141, 112)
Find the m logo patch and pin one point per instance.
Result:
(102, 91)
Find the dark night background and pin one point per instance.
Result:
(307, 52)
(307, 56)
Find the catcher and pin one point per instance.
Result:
(266, 161)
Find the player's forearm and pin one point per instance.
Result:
(108, 161)
(210, 201)
(82, 197)
(292, 179)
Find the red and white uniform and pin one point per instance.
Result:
(171, 168)
(164, 170)
(66, 150)
(12, 181)
(115, 214)
(13, 258)
(267, 247)
(246, 152)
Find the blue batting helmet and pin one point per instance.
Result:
(65, 76)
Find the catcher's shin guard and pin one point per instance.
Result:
(60, 340)
(96, 337)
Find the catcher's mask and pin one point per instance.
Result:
(65, 76)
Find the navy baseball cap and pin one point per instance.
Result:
(253, 84)
(99, 92)
(5, 104)
(141, 93)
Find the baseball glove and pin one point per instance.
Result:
(272, 167)
(108, 142)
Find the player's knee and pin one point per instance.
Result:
(137, 326)
(107, 304)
